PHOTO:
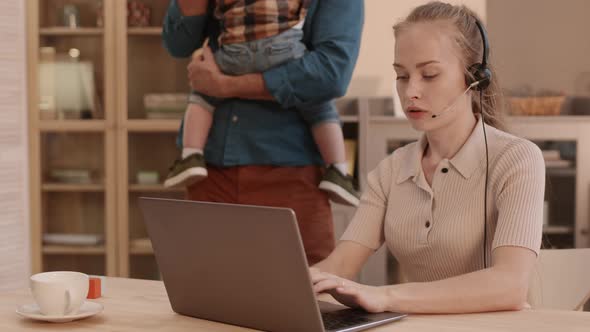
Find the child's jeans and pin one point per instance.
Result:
(258, 56)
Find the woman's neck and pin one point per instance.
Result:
(446, 141)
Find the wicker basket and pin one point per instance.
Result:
(536, 105)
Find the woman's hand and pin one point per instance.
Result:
(350, 293)
(205, 76)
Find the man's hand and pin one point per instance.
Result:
(205, 76)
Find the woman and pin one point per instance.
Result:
(427, 200)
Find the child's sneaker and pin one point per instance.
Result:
(339, 187)
(187, 171)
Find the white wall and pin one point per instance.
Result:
(374, 75)
(541, 43)
(14, 218)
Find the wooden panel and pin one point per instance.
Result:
(144, 267)
(137, 228)
(153, 31)
(153, 125)
(73, 151)
(72, 125)
(60, 31)
(110, 146)
(141, 153)
(73, 250)
(89, 264)
(14, 222)
(72, 187)
(70, 212)
(148, 188)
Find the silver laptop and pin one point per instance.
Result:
(242, 265)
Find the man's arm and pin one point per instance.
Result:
(184, 26)
(325, 71)
(249, 86)
(320, 75)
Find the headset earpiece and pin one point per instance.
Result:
(481, 74)
(480, 71)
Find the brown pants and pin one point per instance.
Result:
(291, 187)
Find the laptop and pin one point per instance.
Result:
(242, 265)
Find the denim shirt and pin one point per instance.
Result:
(254, 132)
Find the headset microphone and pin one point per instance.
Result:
(471, 86)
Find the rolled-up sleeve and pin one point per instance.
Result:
(325, 71)
(182, 35)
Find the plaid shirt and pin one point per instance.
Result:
(248, 20)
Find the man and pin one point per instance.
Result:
(260, 151)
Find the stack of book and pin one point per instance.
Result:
(73, 239)
(165, 105)
(78, 176)
(553, 159)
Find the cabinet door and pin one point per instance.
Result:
(73, 209)
(153, 98)
(149, 157)
(71, 60)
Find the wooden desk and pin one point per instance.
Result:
(140, 305)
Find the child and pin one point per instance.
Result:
(255, 36)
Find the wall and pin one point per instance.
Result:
(14, 220)
(542, 44)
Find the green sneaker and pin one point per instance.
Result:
(339, 187)
(187, 171)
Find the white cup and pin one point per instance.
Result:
(59, 293)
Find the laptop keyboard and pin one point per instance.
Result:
(344, 318)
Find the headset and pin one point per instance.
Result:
(482, 75)
(478, 76)
(480, 79)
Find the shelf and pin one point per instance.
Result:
(145, 125)
(141, 251)
(153, 188)
(558, 229)
(509, 119)
(65, 31)
(549, 119)
(141, 247)
(73, 250)
(72, 125)
(349, 118)
(561, 171)
(73, 187)
(147, 31)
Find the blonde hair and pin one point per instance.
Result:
(470, 46)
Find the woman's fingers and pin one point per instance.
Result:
(326, 285)
(319, 276)
(348, 290)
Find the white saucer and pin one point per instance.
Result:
(86, 310)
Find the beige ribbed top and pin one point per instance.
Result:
(436, 232)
